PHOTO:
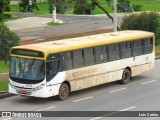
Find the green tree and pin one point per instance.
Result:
(2, 4)
(82, 7)
(8, 39)
(109, 2)
(25, 7)
(144, 21)
(104, 10)
(123, 5)
(7, 6)
(61, 6)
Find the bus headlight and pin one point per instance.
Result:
(39, 87)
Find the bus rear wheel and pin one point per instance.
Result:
(63, 92)
(126, 76)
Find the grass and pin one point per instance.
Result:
(4, 68)
(158, 54)
(8, 19)
(147, 5)
(12, 18)
(54, 24)
(43, 8)
(3, 85)
(157, 43)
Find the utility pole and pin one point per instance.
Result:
(115, 16)
(53, 12)
(30, 4)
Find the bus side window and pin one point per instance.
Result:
(78, 58)
(89, 56)
(100, 54)
(113, 52)
(151, 41)
(66, 61)
(52, 66)
(104, 53)
(136, 48)
(125, 50)
(147, 45)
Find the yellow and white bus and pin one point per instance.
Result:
(57, 68)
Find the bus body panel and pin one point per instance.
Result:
(108, 72)
(88, 76)
(37, 90)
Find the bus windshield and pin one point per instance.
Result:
(27, 69)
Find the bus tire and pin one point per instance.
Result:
(63, 92)
(126, 76)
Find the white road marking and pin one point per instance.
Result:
(7, 119)
(128, 108)
(46, 108)
(117, 90)
(148, 82)
(96, 118)
(83, 99)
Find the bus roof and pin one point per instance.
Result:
(86, 41)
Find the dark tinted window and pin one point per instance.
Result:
(66, 60)
(101, 54)
(125, 50)
(53, 65)
(147, 44)
(113, 50)
(78, 58)
(136, 47)
(89, 56)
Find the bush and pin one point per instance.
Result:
(137, 7)
(61, 6)
(8, 39)
(7, 6)
(125, 6)
(82, 7)
(143, 21)
(2, 3)
(7, 15)
(25, 7)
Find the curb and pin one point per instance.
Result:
(5, 95)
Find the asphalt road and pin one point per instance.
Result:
(72, 25)
(141, 94)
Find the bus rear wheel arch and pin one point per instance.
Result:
(64, 91)
(126, 76)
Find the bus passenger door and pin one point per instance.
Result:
(52, 66)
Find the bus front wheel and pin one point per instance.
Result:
(63, 92)
(126, 76)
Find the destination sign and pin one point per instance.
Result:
(27, 53)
